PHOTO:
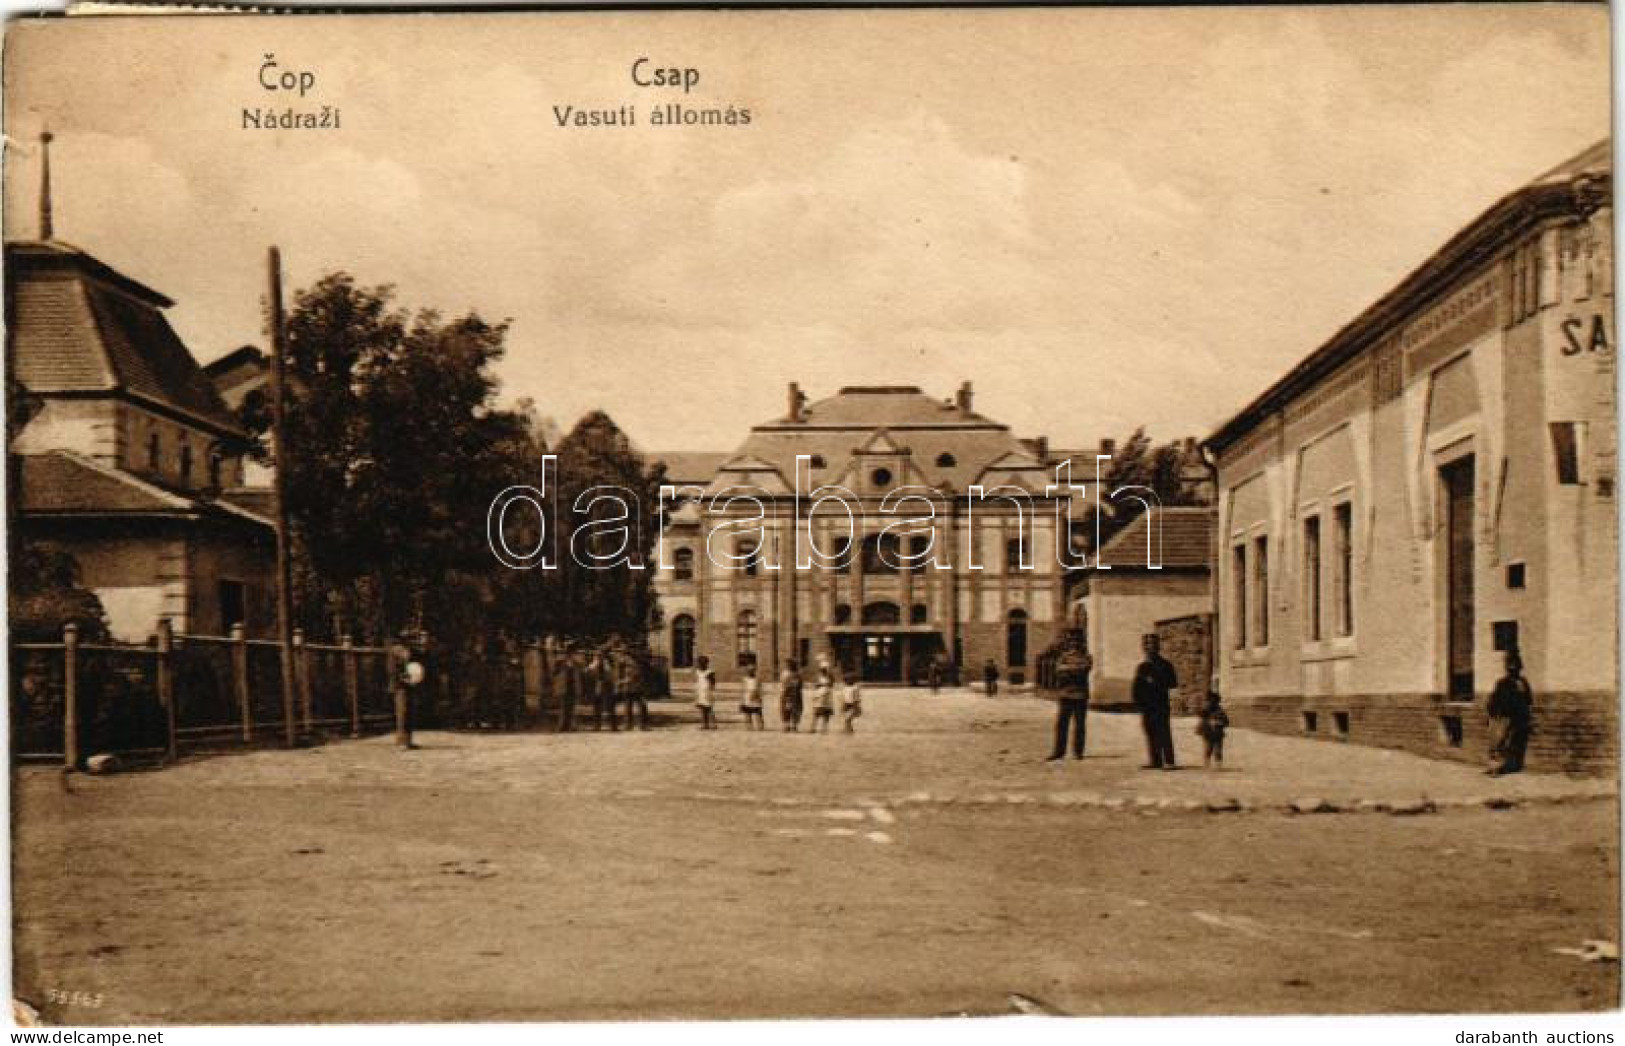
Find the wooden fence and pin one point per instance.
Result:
(72, 699)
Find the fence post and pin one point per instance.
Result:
(239, 677)
(530, 678)
(352, 689)
(301, 676)
(70, 697)
(166, 688)
(394, 664)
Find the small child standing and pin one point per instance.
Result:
(705, 685)
(823, 700)
(750, 702)
(851, 699)
(1210, 727)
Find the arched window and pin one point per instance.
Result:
(682, 641)
(216, 456)
(873, 560)
(918, 614)
(749, 556)
(843, 556)
(186, 463)
(1012, 554)
(881, 477)
(154, 453)
(682, 564)
(882, 614)
(918, 546)
(946, 460)
(745, 647)
(1015, 639)
(843, 613)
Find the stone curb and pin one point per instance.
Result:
(1150, 805)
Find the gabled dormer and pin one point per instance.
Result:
(880, 465)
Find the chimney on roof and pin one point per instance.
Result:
(1041, 449)
(797, 402)
(963, 399)
(1108, 446)
(45, 230)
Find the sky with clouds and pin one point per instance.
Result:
(1103, 218)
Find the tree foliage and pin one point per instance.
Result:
(1138, 463)
(396, 447)
(45, 595)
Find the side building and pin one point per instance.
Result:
(126, 461)
(993, 587)
(1436, 485)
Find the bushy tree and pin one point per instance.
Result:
(1138, 463)
(45, 595)
(617, 600)
(395, 447)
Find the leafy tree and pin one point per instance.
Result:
(45, 595)
(617, 600)
(1138, 463)
(395, 447)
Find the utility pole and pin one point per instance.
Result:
(279, 486)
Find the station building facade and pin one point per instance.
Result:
(1433, 486)
(988, 583)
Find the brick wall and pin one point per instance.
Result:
(1574, 732)
(1188, 643)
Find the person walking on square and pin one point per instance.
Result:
(790, 696)
(1072, 668)
(1511, 711)
(1154, 681)
(705, 686)
(823, 700)
(933, 676)
(851, 699)
(990, 676)
(1210, 727)
(750, 701)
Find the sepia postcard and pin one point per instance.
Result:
(620, 515)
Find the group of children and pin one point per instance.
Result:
(791, 697)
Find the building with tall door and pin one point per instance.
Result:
(1433, 486)
(975, 577)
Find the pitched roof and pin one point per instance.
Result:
(691, 466)
(929, 430)
(79, 326)
(1184, 533)
(874, 406)
(59, 482)
(1583, 181)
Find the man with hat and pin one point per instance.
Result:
(1072, 666)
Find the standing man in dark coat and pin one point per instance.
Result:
(1154, 680)
(990, 676)
(1072, 667)
(1511, 711)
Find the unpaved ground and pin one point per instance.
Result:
(930, 864)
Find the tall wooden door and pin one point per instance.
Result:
(1459, 507)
